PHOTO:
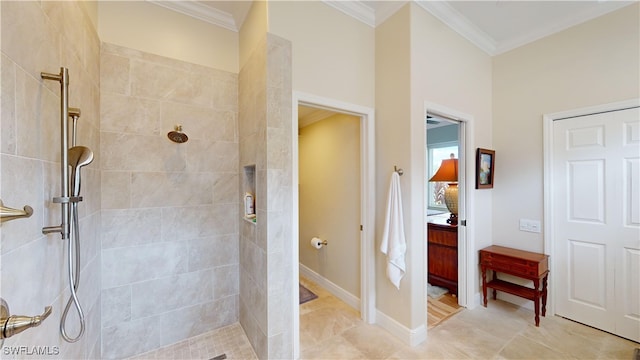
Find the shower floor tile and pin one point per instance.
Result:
(229, 340)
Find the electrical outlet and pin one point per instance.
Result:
(530, 225)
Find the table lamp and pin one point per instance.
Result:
(448, 172)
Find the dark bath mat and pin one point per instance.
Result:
(306, 295)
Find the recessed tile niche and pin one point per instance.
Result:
(249, 187)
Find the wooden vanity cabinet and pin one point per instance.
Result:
(442, 240)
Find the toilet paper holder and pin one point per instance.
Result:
(318, 243)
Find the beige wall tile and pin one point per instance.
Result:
(130, 227)
(116, 305)
(21, 184)
(213, 251)
(175, 292)
(126, 152)
(132, 337)
(114, 73)
(226, 281)
(32, 42)
(116, 189)
(155, 189)
(8, 107)
(121, 266)
(157, 81)
(127, 114)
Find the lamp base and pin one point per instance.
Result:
(453, 219)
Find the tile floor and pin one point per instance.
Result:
(330, 329)
(229, 340)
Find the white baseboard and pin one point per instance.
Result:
(411, 337)
(334, 289)
(477, 301)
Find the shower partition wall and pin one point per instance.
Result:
(39, 36)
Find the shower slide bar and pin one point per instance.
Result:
(64, 199)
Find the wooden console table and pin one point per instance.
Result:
(524, 264)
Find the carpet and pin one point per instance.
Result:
(438, 310)
(306, 295)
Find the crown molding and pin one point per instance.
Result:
(355, 9)
(384, 11)
(201, 12)
(456, 21)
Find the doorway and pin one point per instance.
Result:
(442, 154)
(329, 201)
(365, 227)
(465, 248)
(593, 164)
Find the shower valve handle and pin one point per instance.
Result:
(16, 324)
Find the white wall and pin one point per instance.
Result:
(329, 158)
(151, 28)
(419, 59)
(593, 63)
(333, 54)
(252, 31)
(449, 71)
(393, 101)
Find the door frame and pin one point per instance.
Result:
(367, 204)
(467, 267)
(548, 193)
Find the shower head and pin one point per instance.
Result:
(177, 136)
(79, 156)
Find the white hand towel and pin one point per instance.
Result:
(393, 241)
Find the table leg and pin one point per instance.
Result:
(536, 300)
(484, 285)
(494, 292)
(544, 295)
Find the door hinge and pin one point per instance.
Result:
(463, 222)
(360, 227)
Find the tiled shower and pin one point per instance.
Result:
(169, 220)
(164, 244)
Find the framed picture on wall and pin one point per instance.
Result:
(485, 167)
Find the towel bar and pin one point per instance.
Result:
(7, 213)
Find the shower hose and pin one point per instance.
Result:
(73, 251)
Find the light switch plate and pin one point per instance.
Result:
(530, 225)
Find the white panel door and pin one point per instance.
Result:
(596, 182)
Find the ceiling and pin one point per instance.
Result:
(494, 26)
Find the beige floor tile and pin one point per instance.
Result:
(336, 347)
(522, 347)
(324, 323)
(373, 341)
